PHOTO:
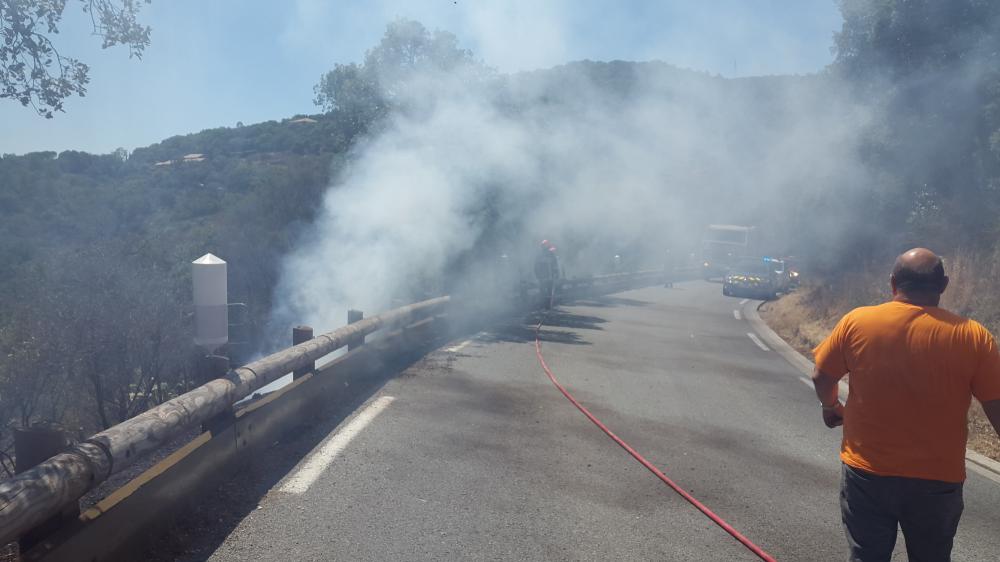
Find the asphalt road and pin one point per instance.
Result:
(472, 454)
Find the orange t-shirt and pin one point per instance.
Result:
(914, 371)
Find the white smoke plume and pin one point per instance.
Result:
(600, 158)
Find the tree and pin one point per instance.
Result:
(931, 67)
(350, 89)
(906, 36)
(407, 50)
(34, 72)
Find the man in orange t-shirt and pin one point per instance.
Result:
(914, 368)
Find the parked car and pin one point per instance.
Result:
(753, 278)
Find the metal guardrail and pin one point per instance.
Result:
(33, 497)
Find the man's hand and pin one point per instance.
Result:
(834, 416)
(827, 390)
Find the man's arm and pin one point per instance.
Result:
(828, 392)
(831, 366)
(992, 409)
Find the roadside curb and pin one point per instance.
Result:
(977, 462)
(984, 465)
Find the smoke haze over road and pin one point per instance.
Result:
(600, 158)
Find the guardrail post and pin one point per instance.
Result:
(212, 367)
(238, 346)
(215, 367)
(302, 334)
(352, 317)
(36, 444)
(33, 446)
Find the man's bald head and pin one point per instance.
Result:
(919, 271)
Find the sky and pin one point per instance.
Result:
(213, 63)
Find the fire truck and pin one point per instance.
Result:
(722, 246)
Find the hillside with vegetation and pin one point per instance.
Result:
(95, 250)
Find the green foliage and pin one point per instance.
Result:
(932, 67)
(33, 72)
(95, 255)
(904, 37)
(407, 50)
(349, 89)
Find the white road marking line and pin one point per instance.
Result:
(737, 315)
(806, 382)
(757, 341)
(744, 301)
(457, 348)
(320, 459)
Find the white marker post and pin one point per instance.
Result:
(211, 303)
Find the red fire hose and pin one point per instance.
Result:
(642, 460)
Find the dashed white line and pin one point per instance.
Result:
(806, 382)
(744, 301)
(737, 315)
(332, 446)
(457, 348)
(757, 341)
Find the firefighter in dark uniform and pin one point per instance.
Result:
(547, 272)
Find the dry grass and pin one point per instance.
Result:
(804, 318)
(796, 322)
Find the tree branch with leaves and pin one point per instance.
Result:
(407, 51)
(34, 72)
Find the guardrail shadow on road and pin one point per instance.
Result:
(608, 301)
(558, 323)
(524, 333)
(559, 318)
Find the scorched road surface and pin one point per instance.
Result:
(472, 454)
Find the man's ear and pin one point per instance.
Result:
(944, 283)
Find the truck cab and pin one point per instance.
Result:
(722, 246)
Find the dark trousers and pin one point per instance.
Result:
(926, 510)
(546, 289)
